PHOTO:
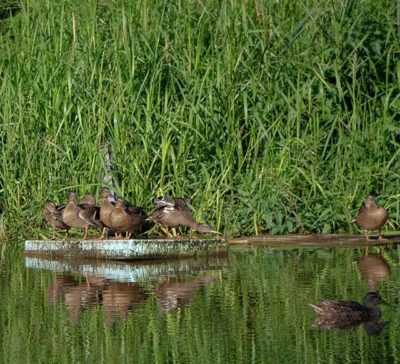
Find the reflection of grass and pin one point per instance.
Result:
(274, 117)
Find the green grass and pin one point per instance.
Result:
(272, 116)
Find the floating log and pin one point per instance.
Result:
(315, 240)
(122, 249)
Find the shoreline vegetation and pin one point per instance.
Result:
(273, 117)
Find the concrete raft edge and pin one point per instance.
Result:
(122, 249)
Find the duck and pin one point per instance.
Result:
(81, 216)
(89, 199)
(53, 215)
(342, 314)
(128, 218)
(106, 209)
(371, 216)
(172, 212)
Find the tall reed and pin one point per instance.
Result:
(271, 116)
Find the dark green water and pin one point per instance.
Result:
(250, 307)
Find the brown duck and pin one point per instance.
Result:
(106, 209)
(174, 212)
(127, 218)
(346, 314)
(82, 216)
(371, 216)
(53, 215)
(89, 199)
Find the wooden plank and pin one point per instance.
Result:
(122, 249)
(315, 240)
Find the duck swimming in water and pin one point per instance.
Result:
(345, 314)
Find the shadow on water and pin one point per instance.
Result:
(119, 287)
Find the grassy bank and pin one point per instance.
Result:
(272, 116)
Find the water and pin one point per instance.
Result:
(249, 307)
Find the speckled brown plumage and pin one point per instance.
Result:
(371, 216)
(129, 219)
(53, 215)
(343, 314)
(106, 208)
(88, 199)
(80, 216)
(174, 212)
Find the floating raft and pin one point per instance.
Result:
(126, 249)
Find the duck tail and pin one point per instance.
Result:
(316, 308)
(204, 228)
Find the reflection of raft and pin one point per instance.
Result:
(133, 271)
(127, 249)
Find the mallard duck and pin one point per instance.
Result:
(53, 215)
(164, 201)
(129, 219)
(89, 199)
(81, 216)
(351, 311)
(106, 208)
(371, 216)
(174, 212)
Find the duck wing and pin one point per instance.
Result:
(87, 213)
(350, 310)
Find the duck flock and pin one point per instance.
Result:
(118, 218)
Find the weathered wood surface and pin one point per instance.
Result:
(128, 271)
(127, 249)
(315, 240)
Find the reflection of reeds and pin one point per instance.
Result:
(255, 308)
(270, 116)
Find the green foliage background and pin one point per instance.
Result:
(272, 116)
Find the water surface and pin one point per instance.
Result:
(248, 307)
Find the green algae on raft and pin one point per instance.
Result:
(127, 249)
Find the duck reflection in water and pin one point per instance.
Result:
(173, 293)
(349, 314)
(374, 269)
(76, 293)
(118, 298)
